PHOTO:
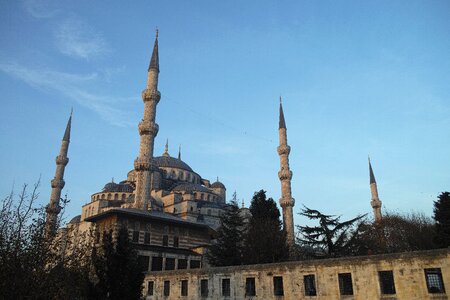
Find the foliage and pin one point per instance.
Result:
(331, 237)
(264, 241)
(227, 249)
(31, 267)
(442, 218)
(118, 274)
(34, 267)
(396, 233)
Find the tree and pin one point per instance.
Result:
(226, 249)
(265, 241)
(442, 218)
(31, 266)
(396, 233)
(118, 274)
(331, 236)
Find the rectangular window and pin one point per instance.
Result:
(147, 238)
(345, 284)
(250, 287)
(165, 240)
(143, 262)
(175, 241)
(167, 288)
(135, 236)
(157, 263)
(184, 287)
(387, 285)
(170, 263)
(278, 286)
(310, 285)
(182, 264)
(204, 287)
(194, 264)
(150, 288)
(226, 287)
(435, 284)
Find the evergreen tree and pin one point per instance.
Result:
(265, 241)
(331, 236)
(226, 249)
(442, 218)
(117, 269)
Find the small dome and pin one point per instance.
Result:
(110, 187)
(75, 220)
(218, 185)
(117, 187)
(190, 187)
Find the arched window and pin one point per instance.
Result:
(103, 196)
(116, 196)
(109, 197)
(123, 196)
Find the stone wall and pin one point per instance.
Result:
(404, 276)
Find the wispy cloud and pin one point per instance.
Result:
(77, 39)
(74, 87)
(41, 8)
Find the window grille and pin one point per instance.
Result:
(310, 285)
(278, 286)
(250, 287)
(226, 287)
(387, 285)
(435, 284)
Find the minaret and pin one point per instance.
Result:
(285, 175)
(57, 184)
(375, 202)
(148, 130)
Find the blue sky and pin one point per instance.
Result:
(357, 78)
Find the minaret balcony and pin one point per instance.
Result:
(284, 150)
(146, 128)
(141, 164)
(53, 209)
(62, 160)
(285, 174)
(57, 183)
(286, 202)
(151, 95)
(375, 203)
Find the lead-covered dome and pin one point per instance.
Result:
(171, 162)
(218, 185)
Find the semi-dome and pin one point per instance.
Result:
(190, 187)
(171, 162)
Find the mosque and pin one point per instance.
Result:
(171, 211)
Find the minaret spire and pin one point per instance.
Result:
(57, 184)
(375, 202)
(179, 152)
(148, 129)
(166, 149)
(285, 175)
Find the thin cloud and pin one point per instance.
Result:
(40, 9)
(73, 86)
(77, 39)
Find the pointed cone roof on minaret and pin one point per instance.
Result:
(67, 132)
(154, 62)
(372, 177)
(282, 122)
(179, 152)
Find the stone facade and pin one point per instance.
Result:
(408, 276)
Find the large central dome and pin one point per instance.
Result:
(170, 162)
